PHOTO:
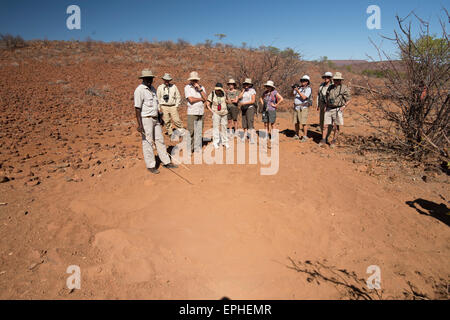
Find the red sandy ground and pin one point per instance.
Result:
(80, 195)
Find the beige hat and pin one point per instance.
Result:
(338, 76)
(232, 81)
(146, 73)
(248, 81)
(193, 76)
(167, 77)
(269, 84)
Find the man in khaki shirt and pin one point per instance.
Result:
(337, 99)
(169, 99)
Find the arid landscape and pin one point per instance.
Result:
(75, 191)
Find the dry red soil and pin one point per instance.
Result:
(79, 194)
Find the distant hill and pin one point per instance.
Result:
(341, 63)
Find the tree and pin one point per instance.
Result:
(415, 99)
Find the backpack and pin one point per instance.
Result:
(310, 99)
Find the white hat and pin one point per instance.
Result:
(338, 76)
(146, 73)
(327, 74)
(193, 76)
(269, 84)
(167, 77)
(232, 81)
(305, 77)
(248, 80)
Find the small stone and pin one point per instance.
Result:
(4, 179)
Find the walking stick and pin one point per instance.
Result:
(154, 147)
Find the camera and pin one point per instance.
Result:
(294, 86)
(166, 97)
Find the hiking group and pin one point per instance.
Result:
(157, 107)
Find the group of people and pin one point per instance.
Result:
(154, 107)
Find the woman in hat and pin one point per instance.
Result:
(216, 103)
(322, 97)
(270, 99)
(247, 99)
(232, 95)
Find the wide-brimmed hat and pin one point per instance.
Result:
(193, 76)
(269, 84)
(219, 86)
(146, 73)
(167, 77)
(231, 81)
(327, 74)
(338, 76)
(305, 77)
(248, 81)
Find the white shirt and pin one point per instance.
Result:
(197, 108)
(298, 101)
(247, 96)
(146, 100)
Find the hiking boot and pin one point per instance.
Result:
(333, 143)
(170, 166)
(296, 137)
(304, 139)
(322, 143)
(153, 170)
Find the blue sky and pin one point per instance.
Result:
(336, 29)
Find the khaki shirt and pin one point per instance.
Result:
(172, 91)
(216, 101)
(337, 96)
(146, 100)
(322, 95)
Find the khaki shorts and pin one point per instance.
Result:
(301, 116)
(233, 112)
(334, 116)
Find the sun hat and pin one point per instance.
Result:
(232, 81)
(269, 84)
(219, 86)
(248, 81)
(327, 74)
(146, 73)
(305, 77)
(167, 77)
(338, 76)
(193, 76)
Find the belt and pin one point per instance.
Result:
(167, 105)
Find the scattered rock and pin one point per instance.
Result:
(4, 179)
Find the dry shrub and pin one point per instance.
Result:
(415, 98)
